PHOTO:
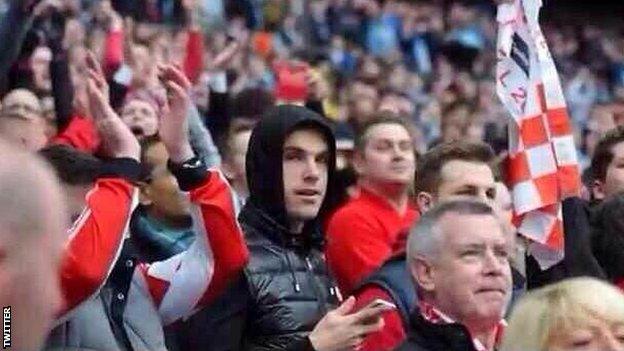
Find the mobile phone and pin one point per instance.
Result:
(381, 304)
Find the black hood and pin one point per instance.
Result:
(265, 152)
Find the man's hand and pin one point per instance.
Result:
(117, 139)
(95, 71)
(174, 127)
(342, 330)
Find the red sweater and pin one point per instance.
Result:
(393, 333)
(80, 134)
(362, 235)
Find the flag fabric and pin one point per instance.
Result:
(542, 166)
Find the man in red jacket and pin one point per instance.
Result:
(96, 235)
(373, 226)
(448, 171)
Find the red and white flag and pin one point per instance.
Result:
(543, 167)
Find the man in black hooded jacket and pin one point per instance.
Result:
(287, 277)
(285, 297)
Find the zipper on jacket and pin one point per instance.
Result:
(293, 275)
(315, 286)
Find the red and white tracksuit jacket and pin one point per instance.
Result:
(177, 286)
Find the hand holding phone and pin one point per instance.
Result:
(344, 328)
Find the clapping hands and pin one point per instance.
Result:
(117, 139)
(174, 127)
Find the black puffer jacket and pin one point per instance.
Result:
(287, 280)
(288, 284)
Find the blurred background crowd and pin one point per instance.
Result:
(431, 61)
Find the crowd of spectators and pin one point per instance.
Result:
(358, 138)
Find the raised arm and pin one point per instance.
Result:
(62, 88)
(219, 114)
(96, 237)
(201, 140)
(185, 282)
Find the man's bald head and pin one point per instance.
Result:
(32, 227)
(21, 120)
(21, 103)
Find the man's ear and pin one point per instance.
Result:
(423, 273)
(145, 198)
(424, 201)
(598, 190)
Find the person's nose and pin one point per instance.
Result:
(312, 170)
(136, 116)
(398, 154)
(482, 195)
(493, 265)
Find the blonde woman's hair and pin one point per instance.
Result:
(559, 308)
